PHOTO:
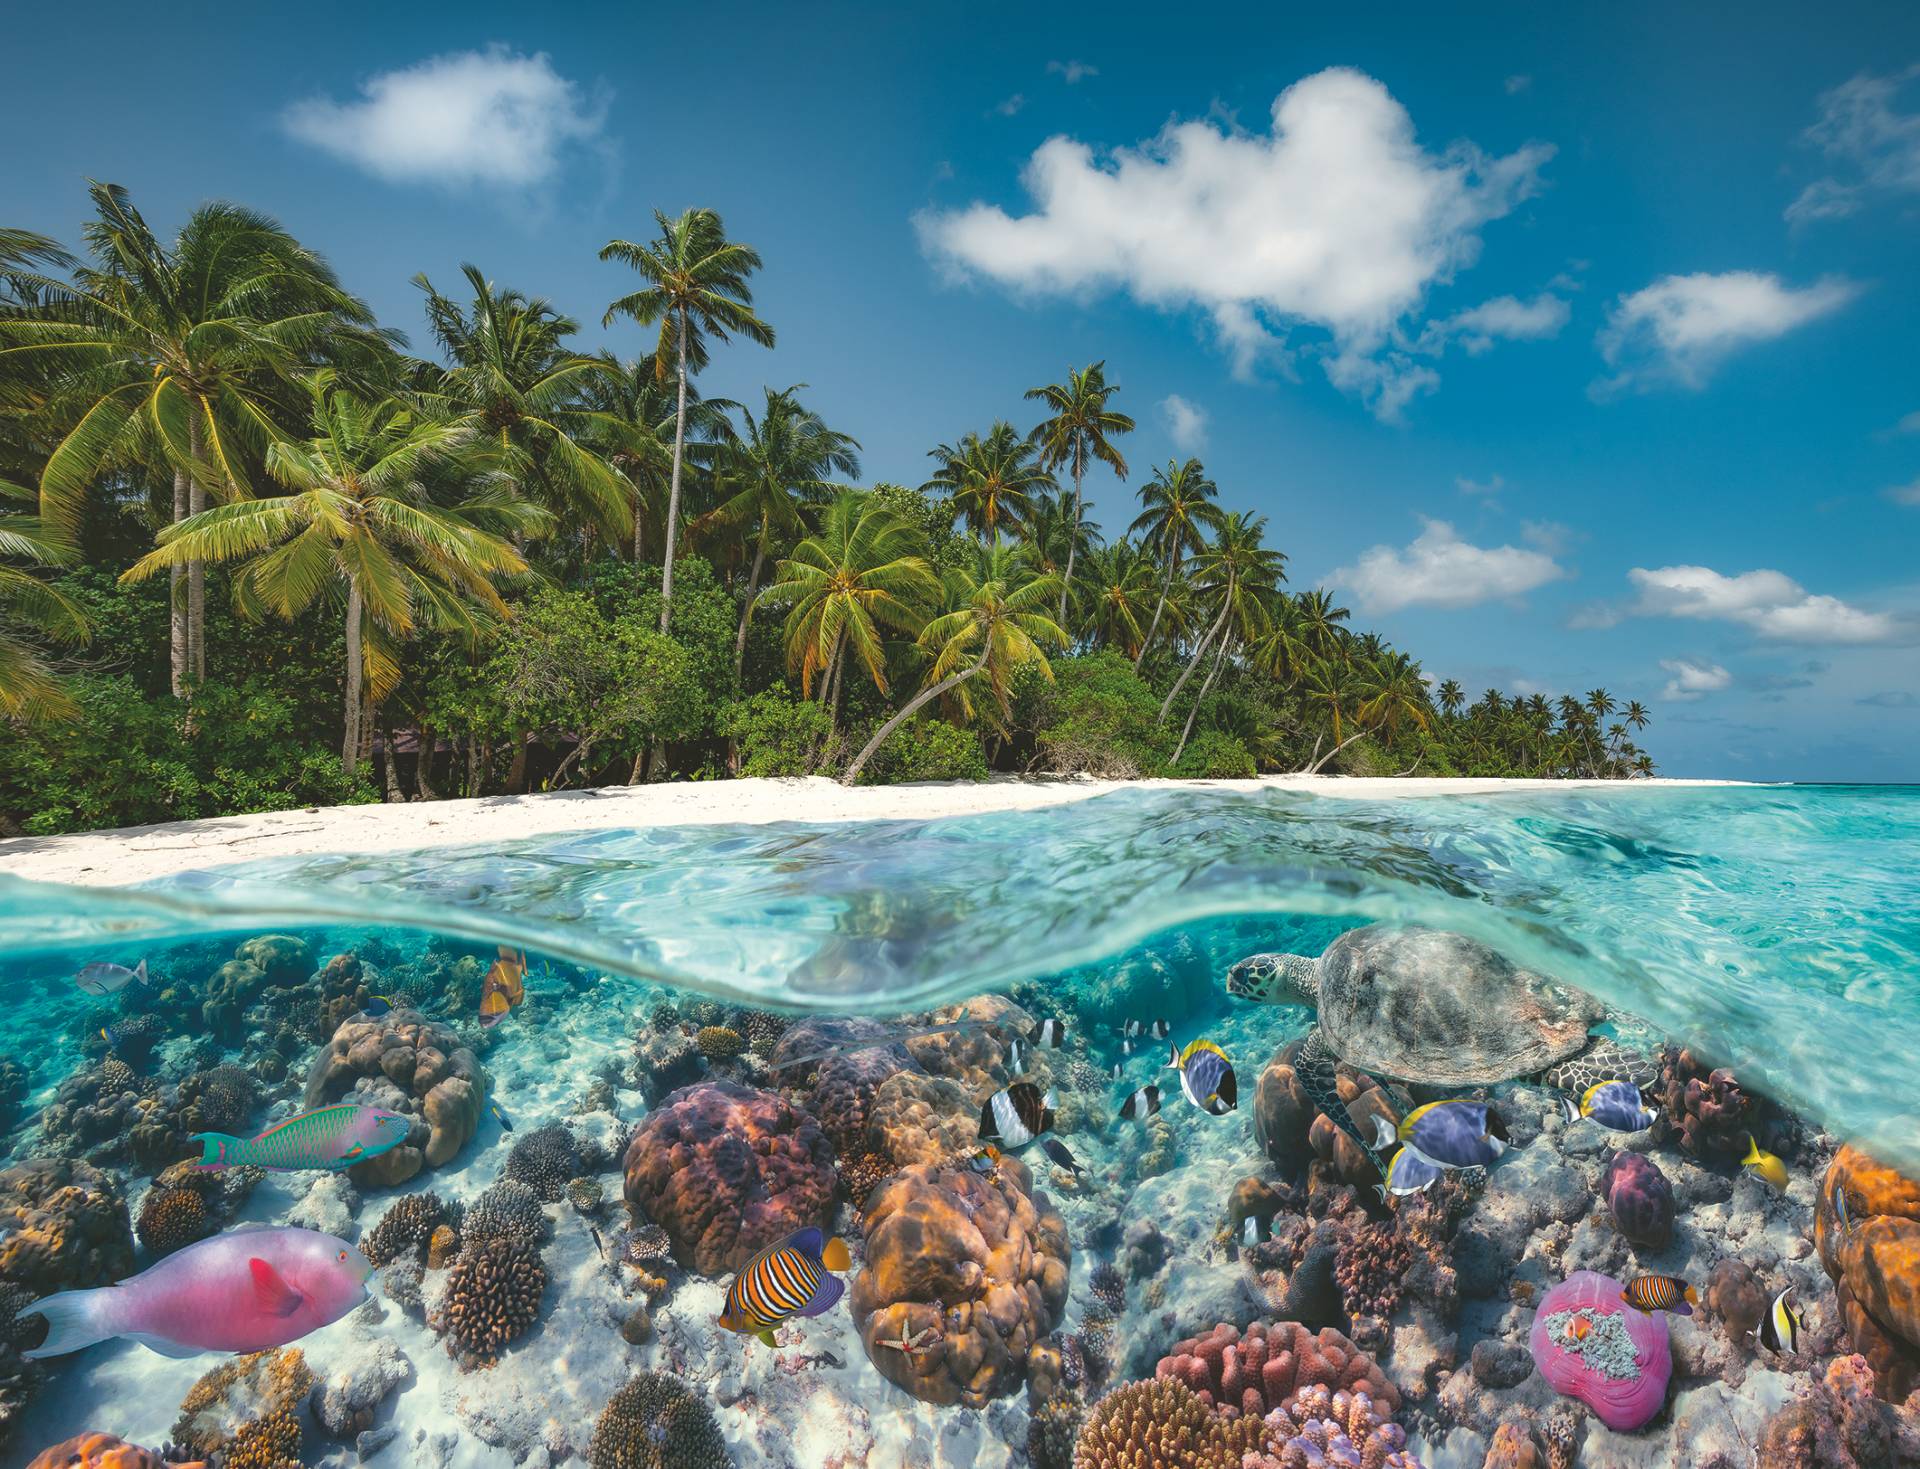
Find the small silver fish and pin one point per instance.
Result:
(1250, 1231)
(102, 978)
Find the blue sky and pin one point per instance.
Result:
(1568, 356)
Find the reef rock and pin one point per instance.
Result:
(1639, 1198)
(1875, 1265)
(347, 1401)
(727, 1170)
(1839, 1424)
(1619, 1367)
(916, 1118)
(969, 1269)
(1298, 1138)
(409, 1064)
(63, 1226)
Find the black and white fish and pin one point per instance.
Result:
(1142, 1104)
(1153, 1030)
(1779, 1330)
(1048, 1033)
(1016, 1115)
(1014, 1058)
(1057, 1150)
(102, 978)
(1116, 1070)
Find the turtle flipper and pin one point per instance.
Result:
(1603, 1060)
(1314, 1064)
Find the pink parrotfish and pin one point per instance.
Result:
(243, 1291)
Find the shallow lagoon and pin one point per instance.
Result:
(1775, 932)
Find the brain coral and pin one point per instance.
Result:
(657, 1422)
(727, 1170)
(65, 1226)
(973, 1269)
(915, 1118)
(408, 1064)
(1875, 1265)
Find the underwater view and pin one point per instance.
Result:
(1213, 1128)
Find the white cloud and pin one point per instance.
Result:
(1680, 327)
(1487, 487)
(1335, 219)
(1440, 570)
(1478, 327)
(1073, 72)
(1891, 699)
(1012, 105)
(1876, 145)
(1186, 423)
(1772, 603)
(1909, 423)
(1692, 680)
(1517, 83)
(1907, 494)
(468, 117)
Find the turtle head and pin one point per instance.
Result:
(1276, 979)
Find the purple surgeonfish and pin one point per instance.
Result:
(243, 1291)
(332, 1138)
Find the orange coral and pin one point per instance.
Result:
(1875, 1265)
(102, 1451)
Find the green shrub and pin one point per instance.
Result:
(1215, 755)
(777, 733)
(926, 749)
(1100, 717)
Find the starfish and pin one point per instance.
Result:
(912, 1346)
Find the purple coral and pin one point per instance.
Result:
(1319, 1427)
(1639, 1198)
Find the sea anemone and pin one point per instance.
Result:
(493, 1296)
(657, 1422)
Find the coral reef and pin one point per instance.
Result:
(545, 1160)
(1319, 1426)
(1875, 1265)
(1735, 1297)
(657, 1422)
(969, 1264)
(442, 1245)
(406, 1228)
(1514, 1447)
(505, 1211)
(1052, 1430)
(586, 1195)
(102, 1451)
(239, 1393)
(493, 1296)
(1369, 1267)
(1109, 1288)
(917, 1118)
(1256, 1372)
(1162, 1424)
(719, 1042)
(63, 1226)
(20, 1378)
(1299, 1140)
(408, 1064)
(839, 1088)
(980, 1060)
(1837, 1423)
(727, 1170)
(171, 1218)
(663, 1062)
(221, 1099)
(1619, 1367)
(1639, 1198)
(1709, 1111)
(861, 1173)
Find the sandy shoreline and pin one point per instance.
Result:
(143, 853)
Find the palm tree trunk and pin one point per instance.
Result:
(423, 765)
(517, 771)
(177, 599)
(1199, 699)
(753, 587)
(1226, 605)
(673, 491)
(390, 766)
(1314, 769)
(926, 694)
(350, 739)
(196, 570)
(1073, 537)
(1166, 585)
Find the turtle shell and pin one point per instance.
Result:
(1424, 1005)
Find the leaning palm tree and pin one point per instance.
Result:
(1178, 515)
(31, 611)
(359, 529)
(995, 624)
(1055, 536)
(1396, 694)
(776, 463)
(989, 480)
(696, 288)
(175, 355)
(1237, 573)
(1080, 429)
(863, 573)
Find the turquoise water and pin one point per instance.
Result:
(1775, 928)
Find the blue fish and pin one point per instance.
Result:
(377, 1005)
(1206, 1077)
(1617, 1105)
(498, 1115)
(1450, 1134)
(1407, 1174)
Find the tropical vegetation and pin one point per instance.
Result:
(256, 554)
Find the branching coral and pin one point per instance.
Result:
(1109, 1287)
(406, 1228)
(171, 1218)
(242, 1391)
(763, 1031)
(545, 1160)
(1319, 1427)
(493, 1296)
(657, 1422)
(508, 1210)
(1369, 1267)
(1052, 1430)
(1162, 1424)
(719, 1042)
(272, 1442)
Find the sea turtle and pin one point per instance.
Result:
(1423, 1005)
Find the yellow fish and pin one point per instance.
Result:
(504, 987)
(1766, 1166)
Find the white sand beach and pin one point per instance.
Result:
(144, 853)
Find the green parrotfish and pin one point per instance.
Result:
(330, 1138)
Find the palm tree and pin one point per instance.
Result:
(1054, 537)
(1080, 430)
(1235, 572)
(989, 480)
(696, 288)
(778, 461)
(1396, 694)
(1119, 581)
(30, 693)
(1321, 622)
(995, 625)
(176, 354)
(513, 373)
(1178, 515)
(864, 571)
(1452, 698)
(358, 528)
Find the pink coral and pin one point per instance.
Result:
(1619, 1366)
(1255, 1372)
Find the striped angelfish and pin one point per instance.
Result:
(785, 1280)
(1652, 1293)
(331, 1138)
(1206, 1077)
(1016, 1115)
